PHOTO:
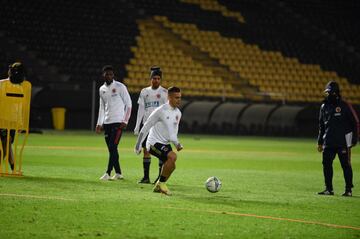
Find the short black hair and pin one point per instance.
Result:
(107, 68)
(17, 73)
(153, 68)
(155, 71)
(173, 89)
(332, 87)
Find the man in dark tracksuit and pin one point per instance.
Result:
(338, 132)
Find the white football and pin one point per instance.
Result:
(213, 184)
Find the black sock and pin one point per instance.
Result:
(146, 165)
(160, 167)
(162, 179)
(12, 166)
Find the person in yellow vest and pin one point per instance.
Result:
(16, 75)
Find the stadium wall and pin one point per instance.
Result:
(209, 117)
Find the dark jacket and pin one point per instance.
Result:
(335, 121)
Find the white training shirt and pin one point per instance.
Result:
(115, 104)
(149, 100)
(163, 125)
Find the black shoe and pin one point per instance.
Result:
(144, 180)
(157, 179)
(326, 192)
(347, 194)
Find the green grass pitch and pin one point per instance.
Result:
(269, 191)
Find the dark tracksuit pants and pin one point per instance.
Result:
(344, 155)
(113, 134)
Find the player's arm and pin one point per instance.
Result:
(321, 129)
(355, 124)
(101, 115)
(124, 94)
(173, 134)
(140, 114)
(150, 122)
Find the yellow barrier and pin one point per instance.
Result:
(58, 115)
(14, 117)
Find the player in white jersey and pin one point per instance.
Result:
(114, 114)
(163, 126)
(149, 99)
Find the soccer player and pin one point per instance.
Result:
(17, 75)
(163, 126)
(114, 113)
(338, 132)
(149, 99)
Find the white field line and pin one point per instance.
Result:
(267, 217)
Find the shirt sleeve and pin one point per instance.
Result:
(321, 126)
(173, 132)
(127, 101)
(140, 112)
(141, 98)
(354, 121)
(101, 114)
(150, 122)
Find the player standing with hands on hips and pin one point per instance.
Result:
(163, 126)
(149, 99)
(338, 132)
(114, 113)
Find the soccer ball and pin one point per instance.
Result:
(213, 184)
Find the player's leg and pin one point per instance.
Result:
(146, 163)
(11, 158)
(328, 158)
(114, 139)
(7, 148)
(107, 174)
(168, 167)
(162, 151)
(160, 168)
(11, 153)
(345, 161)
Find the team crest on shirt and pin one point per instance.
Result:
(338, 109)
(177, 118)
(164, 148)
(158, 96)
(114, 90)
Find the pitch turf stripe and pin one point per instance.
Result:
(35, 196)
(268, 217)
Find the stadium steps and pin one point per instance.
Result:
(280, 77)
(212, 84)
(207, 61)
(214, 5)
